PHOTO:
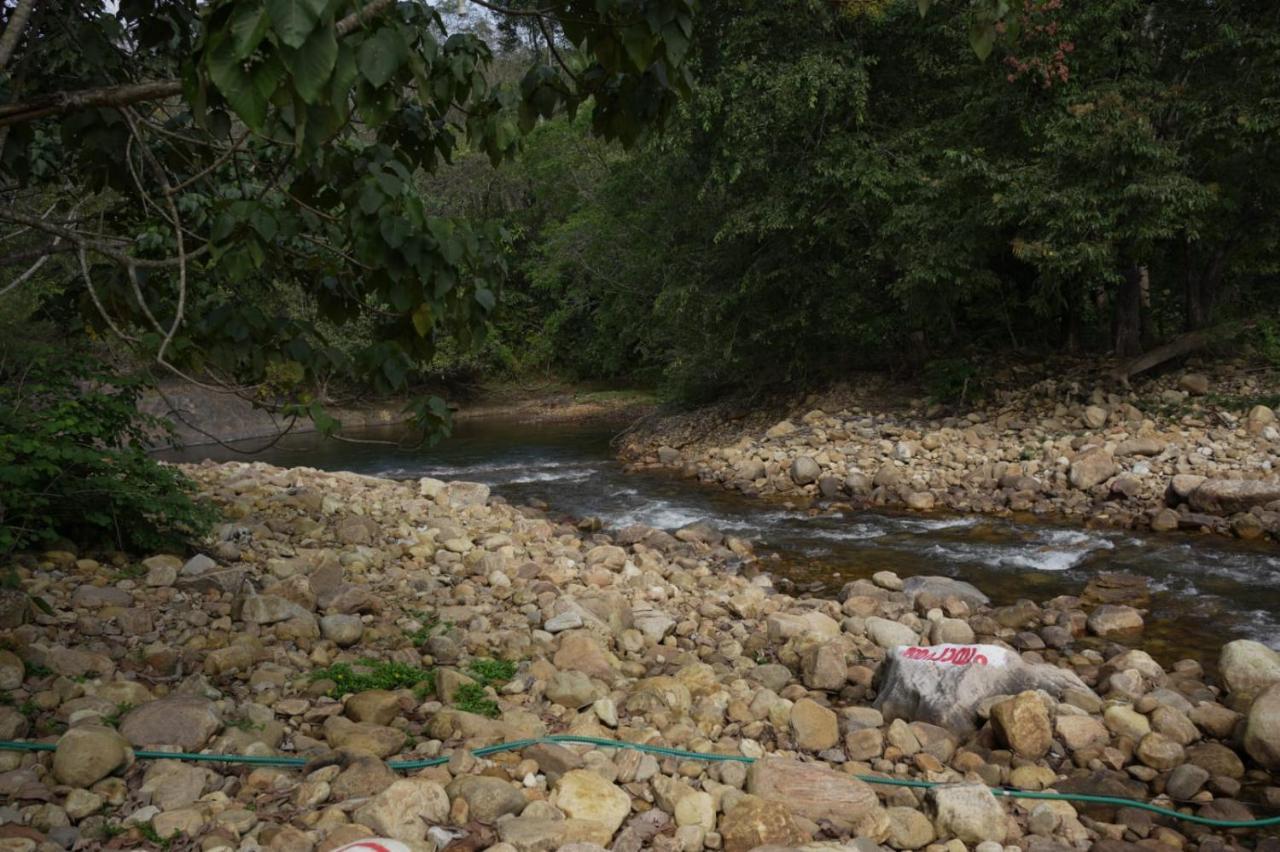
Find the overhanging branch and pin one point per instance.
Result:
(134, 93)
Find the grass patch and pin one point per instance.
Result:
(471, 698)
(491, 672)
(375, 674)
(616, 397)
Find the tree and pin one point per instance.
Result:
(197, 170)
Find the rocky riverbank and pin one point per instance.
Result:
(1184, 451)
(350, 620)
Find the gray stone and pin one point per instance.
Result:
(182, 721)
(1229, 496)
(817, 793)
(1248, 667)
(927, 592)
(1262, 728)
(969, 812)
(804, 470)
(88, 753)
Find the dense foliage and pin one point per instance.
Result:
(73, 459)
(848, 186)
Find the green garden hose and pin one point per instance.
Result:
(517, 745)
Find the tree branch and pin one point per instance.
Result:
(133, 93)
(14, 29)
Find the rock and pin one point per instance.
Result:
(379, 706)
(814, 727)
(81, 803)
(830, 486)
(1164, 520)
(1181, 486)
(697, 808)
(817, 793)
(1159, 752)
(927, 592)
(402, 810)
(782, 626)
(584, 795)
(161, 570)
(379, 740)
(269, 609)
(1111, 619)
(1022, 723)
(1248, 667)
(1186, 780)
(1262, 728)
(1229, 496)
(921, 501)
(1095, 417)
(1090, 468)
(460, 495)
(1080, 732)
(824, 667)
(173, 784)
(88, 753)
(968, 812)
(909, 829)
(1124, 721)
(858, 484)
(944, 684)
(1258, 419)
(1196, 384)
(537, 834)
(668, 456)
(581, 651)
(753, 823)
(342, 630)
(365, 775)
(890, 634)
(571, 689)
(487, 798)
(1140, 447)
(12, 670)
(182, 721)
(804, 470)
(781, 429)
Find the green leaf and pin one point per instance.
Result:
(248, 26)
(249, 92)
(381, 55)
(293, 20)
(638, 42)
(982, 37)
(422, 320)
(312, 64)
(486, 298)
(923, 6)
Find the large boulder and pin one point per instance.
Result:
(405, 809)
(1228, 496)
(1262, 729)
(1022, 723)
(944, 684)
(1248, 667)
(754, 822)
(582, 794)
(817, 793)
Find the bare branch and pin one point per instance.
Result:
(14, 29)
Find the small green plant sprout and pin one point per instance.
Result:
(471, 698)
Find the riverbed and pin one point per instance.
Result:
(1205, 591)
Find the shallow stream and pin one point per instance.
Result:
(1205, 591)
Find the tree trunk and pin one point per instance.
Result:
(1126, 325)
(1202, 290)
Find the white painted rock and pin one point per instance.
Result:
(944, 684)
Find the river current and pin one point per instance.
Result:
(1205, 591)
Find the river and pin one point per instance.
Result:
(1205, 591)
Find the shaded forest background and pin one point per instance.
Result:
(849, 187)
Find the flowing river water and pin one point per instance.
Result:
(1205, 591)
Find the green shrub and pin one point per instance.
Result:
(73, 459)
(952, 380)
